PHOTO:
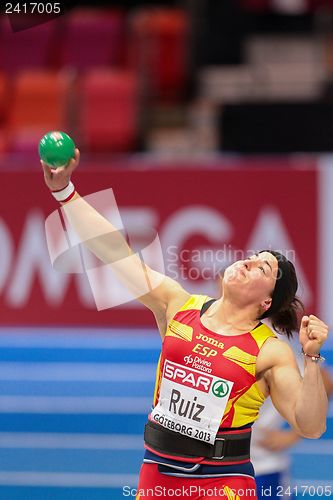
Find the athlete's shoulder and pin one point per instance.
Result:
(276, 352)
(278, 347)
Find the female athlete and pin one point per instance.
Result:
(218, 362)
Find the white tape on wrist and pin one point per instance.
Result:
(65, 194)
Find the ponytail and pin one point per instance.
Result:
(287, 320)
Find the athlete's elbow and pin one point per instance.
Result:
(315, 433)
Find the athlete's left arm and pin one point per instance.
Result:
(301, 401)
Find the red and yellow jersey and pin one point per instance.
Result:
(233, 357)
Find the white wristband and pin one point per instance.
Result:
(65, 194)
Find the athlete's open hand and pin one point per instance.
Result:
(313, 333)
(58, 178)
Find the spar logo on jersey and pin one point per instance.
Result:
(187, 376)
(220, 388)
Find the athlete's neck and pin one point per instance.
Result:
(229, 319)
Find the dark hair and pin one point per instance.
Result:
(284, 312)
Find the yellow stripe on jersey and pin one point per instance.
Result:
(246, 408)
(242, 358)
(158, 378)
(230, 493)
(194, 302)
(227, 410)
(261, 334)
(179, 330)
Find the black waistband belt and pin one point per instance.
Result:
(227, 447)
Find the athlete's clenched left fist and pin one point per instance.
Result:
(313, 333)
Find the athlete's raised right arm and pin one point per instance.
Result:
(165, 295)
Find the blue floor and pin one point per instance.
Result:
(73, 405)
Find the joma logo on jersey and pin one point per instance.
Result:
(208, 340)
(187, 377)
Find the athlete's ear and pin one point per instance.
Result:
(266, 304)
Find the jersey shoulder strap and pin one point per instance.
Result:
(261, 333)
(196, 302)
(206, 306)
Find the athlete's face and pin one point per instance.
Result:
(255, 277)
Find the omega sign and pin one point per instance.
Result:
(196, 239)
